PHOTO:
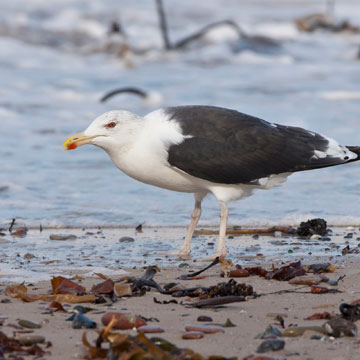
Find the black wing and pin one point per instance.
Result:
(228, 147)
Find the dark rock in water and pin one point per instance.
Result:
(271, 345)
(270, 332)
(126, 239)
(339, 327)
(81, 321)
(204, 318)
(350, 312)
(311, 227)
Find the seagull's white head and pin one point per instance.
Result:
(112, 130)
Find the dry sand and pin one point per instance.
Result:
(251, 317)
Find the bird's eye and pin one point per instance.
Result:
(110, 125)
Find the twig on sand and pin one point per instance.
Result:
(271, 230)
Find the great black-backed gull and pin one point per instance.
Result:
(209, 150)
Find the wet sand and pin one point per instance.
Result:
(250, 317)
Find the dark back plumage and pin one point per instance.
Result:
(229, 147)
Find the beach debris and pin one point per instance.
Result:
(280, 320)
(206, 329)
(126, 239)
(311, 227)
(191, 335)
(320, 316)
(29, 340)
(194, 274)
(347, 250)
(122, 321)
(259, 357)
(151, 329)
(140, 285)
(15, 347)
(320, 268)
(125, 346)
(152, 98)
(106, 287)
(228, 323)
(269, 333)
(339, 327)
(11, 225)
(55, 306)
(204, 318)
(316, 289)
(350, 312)
(20, 232)
(237, 273)
(62, 237)
(81, 321)
(29, 324)
(271, 345)
(20, 291)
(122, 289)
(308, 280)
(172, 285)
(284, 273)
(164, 302)
(62, 285)
(312, 22)
(238, 232)
(216, 302)
(295, 331)
(230, 288)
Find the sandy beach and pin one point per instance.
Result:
(293, 303)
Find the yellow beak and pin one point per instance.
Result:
(76, 140)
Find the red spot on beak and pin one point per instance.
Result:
(72, 146)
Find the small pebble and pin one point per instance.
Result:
(126, 239)
(271, 345)
(31, 340)
(62, 237)
(270, 332)
(81, 321)
(183, 265)
(204, 318)
(150, 329)
(29, 324)
(207, 329)
(190, 335)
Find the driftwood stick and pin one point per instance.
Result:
(271, 230)
(199, 34)
(163, 24)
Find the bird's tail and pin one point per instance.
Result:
(356, 150)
